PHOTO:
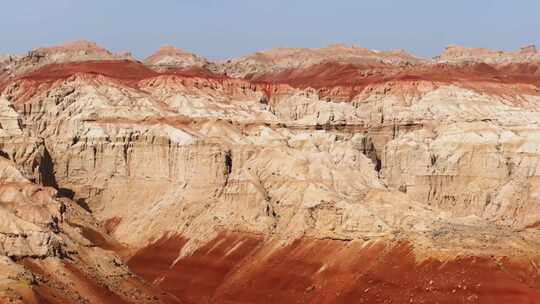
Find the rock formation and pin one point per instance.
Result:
(53, 251)
(284, 59)
(334, 175)
(456, 53)
(170, 57)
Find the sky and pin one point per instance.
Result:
(232, 28)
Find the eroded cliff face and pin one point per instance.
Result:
(318, 174)
(53, 251)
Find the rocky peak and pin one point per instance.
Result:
(457, 54)
(459, 51)
(78, 46)
(170, 56)
(528, 49)
(170, 50)
(76, 51)
(80, 50)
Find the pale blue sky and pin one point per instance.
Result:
(231, 28)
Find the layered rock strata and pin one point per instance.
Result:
(337, 174)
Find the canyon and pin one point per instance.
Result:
(332, 175)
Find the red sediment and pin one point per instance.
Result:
(328, 271)
(104, 241)
(344, 82)
(337, 81)
(397, 277)
(42, 300)
(82, 285)
(197, 276)
(119, 69)
(44, 293)
(104, 295)
(152, 260)
(126, 70)
(533, 225)
(332, 74)
(194, 72)
(51, 290)
(316, 76)
(111, 224)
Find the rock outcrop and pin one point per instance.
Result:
(53, 251)
(287, 59)
(457, 53)
(288, 175)
(170, 57)
(76, 51)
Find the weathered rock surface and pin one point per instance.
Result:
(53, 251)
(318, 172)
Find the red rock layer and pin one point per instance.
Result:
(49, 295)
(124, 70)
(80, 286)
(241, 268)
(86, 287)
(330, 74)
(341, 81)
(344, 82)
(196, 277)
(103, 241)
(118, 69)
(127, 71)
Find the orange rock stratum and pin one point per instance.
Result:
(332, 175)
